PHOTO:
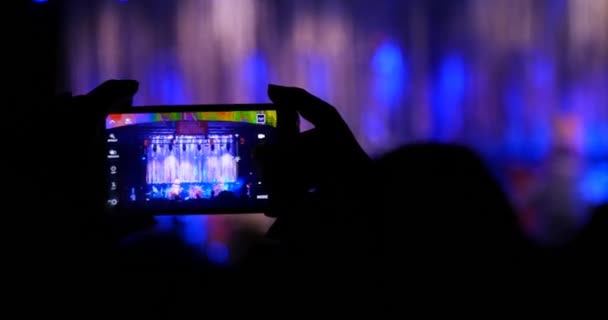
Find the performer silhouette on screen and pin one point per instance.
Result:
(195, 192)
(175, 190)
(218, 188)
(247, 192)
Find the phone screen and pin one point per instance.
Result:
(201, 161)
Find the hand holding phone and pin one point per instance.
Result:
(328, 173)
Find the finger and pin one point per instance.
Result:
(113, 95)
(326, 119)
(318, 112)
(113, 89)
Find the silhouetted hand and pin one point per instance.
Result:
(70, 178)
(321, 179)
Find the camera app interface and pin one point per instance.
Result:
(187, 160)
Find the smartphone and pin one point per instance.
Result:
(197, 159)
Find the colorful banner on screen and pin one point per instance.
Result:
(262, 117)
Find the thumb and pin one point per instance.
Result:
(318, 112)
(113, 95)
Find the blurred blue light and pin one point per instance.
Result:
(390, 74)
(450, 88)
(217, 252)
(319, 77)
(375, 129)
(172, 89)
(596, 140)
(40, 1)
(543, 73)
(164, 223)
(166, 84)
(521, 144)
(556, 10)
(540, 140)
(453, 77)
(194, 229)
(594, 185)
(255, 74)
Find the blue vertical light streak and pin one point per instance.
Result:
(390, 75)
(194, 230)
(318, 76)
(166, 84)
(596, 139)
(594, 184)
(448, 95)
(390, 78)
(544, 77)
(256, 76)
(514, 119)
(543, 73)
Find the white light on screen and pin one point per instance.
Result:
(261, 136)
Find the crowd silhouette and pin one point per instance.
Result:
(434, 222)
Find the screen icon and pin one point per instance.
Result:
(112, 138)
(113, 202)
(113, 184)
(261, 118)
(113, 154)
(113, 169)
